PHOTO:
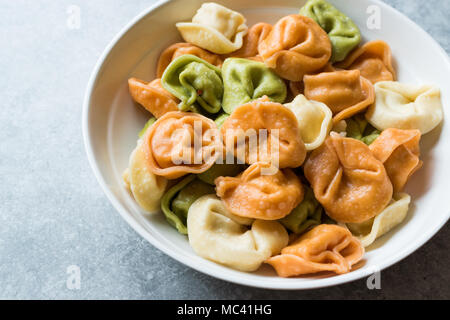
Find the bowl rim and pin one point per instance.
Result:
(234, 278)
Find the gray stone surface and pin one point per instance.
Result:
(53, 213)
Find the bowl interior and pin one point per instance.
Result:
(112, 121)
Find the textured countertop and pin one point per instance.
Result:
(53, 213)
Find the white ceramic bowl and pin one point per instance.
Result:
(111, 122)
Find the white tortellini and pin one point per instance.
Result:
(314, 118)
(405, 106)
(368, 231)
(340, 127)
(215, 28)
(147, 188)
(239, 243)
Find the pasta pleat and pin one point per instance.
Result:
(373, 59)
(399, 151)
(152, 96)
(181, 48)
(394, 214)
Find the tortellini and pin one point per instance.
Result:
(193, 80)
(340, 127)
(254, 194)
(346, 93)
(221, 170)
(295, 46)
(255, 35)
(215, 28)
(350, 183)
(177, 200)
(314, 118)
(367, 232)
(152, 96)
(249, 119)
(373, 59)
(221, 119)
(239, 243)
(406, 106)
(358, 128)
(324, 248)
(306, 215)
(399, 151)
(298, 87)
(343, 32)
(170, 147)
(146, 187)
(246, 80)
(181, 48)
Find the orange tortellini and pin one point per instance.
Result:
(255, 35)
(298, 87)
(295, 46)
(324, 248)
(152, 96)
(373, 59)
(247, 120)
(182, 48)
(259, 194)
(170, 147)
(346, 93)
(399, 151)
(348, 180)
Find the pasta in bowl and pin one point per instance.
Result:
(309, 210)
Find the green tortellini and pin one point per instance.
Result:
(221, 119)
(306, 215)
(221, 170)
(246, 80)
(343, 32)
(359, 128)
(149, 123)
(197, 83)
(176, 202)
